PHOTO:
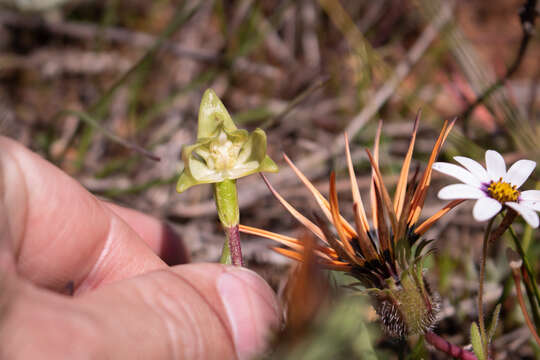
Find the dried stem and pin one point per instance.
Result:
(530, 283)
(517, 281)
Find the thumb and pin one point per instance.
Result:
(199, 311)
(195, 311)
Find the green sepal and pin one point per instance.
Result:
(212, 113)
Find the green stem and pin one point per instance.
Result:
(481, 286)
(226, 254)
(229, 215)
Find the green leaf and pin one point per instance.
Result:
(476, 341)
(494, 322)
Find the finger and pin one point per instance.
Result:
(196, 311)
(158, 235)
(60, 233)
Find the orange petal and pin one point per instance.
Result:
(383, 193)
(382, 231)
(321, 200)
(355, 192)
(334, 209)
(422, 228)
(401, 188)
(282, 239)
(330, 265)
(421, 190)
(301, 218)
(372, 188)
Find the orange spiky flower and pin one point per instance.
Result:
(381, 257)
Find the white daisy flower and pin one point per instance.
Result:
(494, 187)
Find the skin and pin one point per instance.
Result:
(128, 301)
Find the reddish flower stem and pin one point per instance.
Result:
(453, 350)
(517, 281)
(233, 237)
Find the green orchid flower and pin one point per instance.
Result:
(222, 154)
(222, 151)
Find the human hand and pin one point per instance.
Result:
(127, 303)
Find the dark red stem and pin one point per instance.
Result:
(233, 235)
(442, 345)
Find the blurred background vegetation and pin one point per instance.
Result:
(86, 83)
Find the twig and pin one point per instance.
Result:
(531, 285)
(527, 15)
(453, 350)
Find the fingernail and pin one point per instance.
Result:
(251, 307)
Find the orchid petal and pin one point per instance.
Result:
(530, 216)
(519, 172)
(474, 167)
(457, 172)
(495, 165)
(460, 191)
(486, 208)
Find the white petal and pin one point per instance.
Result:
(529, 215)
(535, 205)
(530, 195)
(486, 208)
(458, 172)
(519, 172)
(460, 191)
(495, 165)
(474, 167)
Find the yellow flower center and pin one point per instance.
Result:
(503, 191)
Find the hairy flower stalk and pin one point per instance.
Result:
(222, 154)
(385, 257)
